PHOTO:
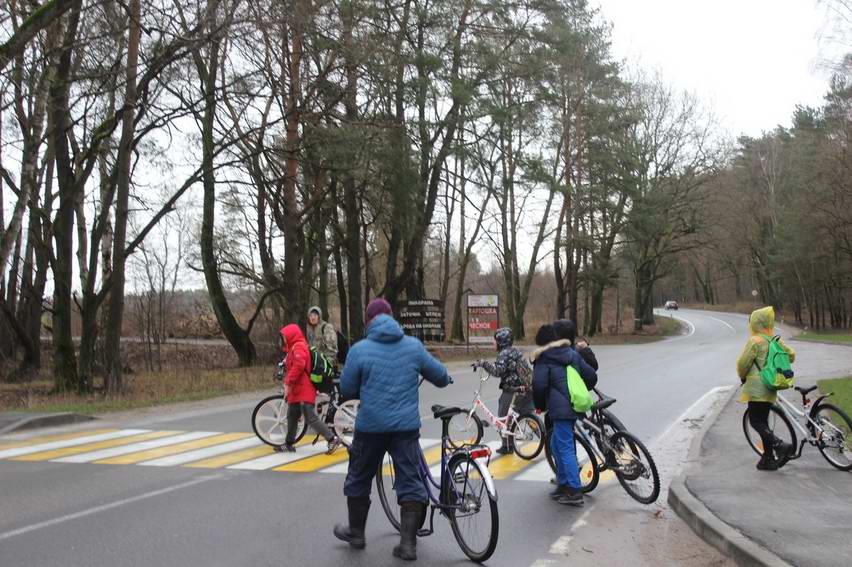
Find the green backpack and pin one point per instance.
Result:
(322, 371)
(581, 399)
(776, 374)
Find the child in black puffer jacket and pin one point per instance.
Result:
(514, 374)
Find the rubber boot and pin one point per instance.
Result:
(504, 449)
(353, 534)
(410, 514)
(767, 462)
(783, 451)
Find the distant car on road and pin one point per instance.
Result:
(671, 304)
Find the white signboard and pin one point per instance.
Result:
(482, 301)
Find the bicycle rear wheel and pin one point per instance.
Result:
(464, 429)
(269, 421)
(636, 470)
(471, 509)
(528, 439)
(779, 425)
(385, 482)
(835, 442)
(344, 420)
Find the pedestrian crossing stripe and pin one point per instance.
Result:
(236, 451)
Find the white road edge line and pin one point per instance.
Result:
(711, 392)
(723, 322)
(688, 322)
(105, 507)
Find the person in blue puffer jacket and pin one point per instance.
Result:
(550, 392)
(383, 371)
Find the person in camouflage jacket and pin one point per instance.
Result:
(514, 374)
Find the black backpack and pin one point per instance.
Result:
(342, 348)
(322, 371)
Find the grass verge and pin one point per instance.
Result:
(143, 390)
(841, 388)
(824, 337)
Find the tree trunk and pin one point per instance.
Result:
(116, 297)
(236, 335)
(64, 357)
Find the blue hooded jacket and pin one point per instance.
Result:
(550, 382)
(383, 371)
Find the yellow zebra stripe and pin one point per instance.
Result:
(138, 457)
(76, 450)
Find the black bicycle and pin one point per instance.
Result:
(586, 454)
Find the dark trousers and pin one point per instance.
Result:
(523, 403)
(295, 411)
(366, 455)
(758, 417)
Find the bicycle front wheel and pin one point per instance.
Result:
(344, 420)
(464, 429)
(528, 439)
(835, 440)
(471, 509)
(385, 483)
(780, 426)
(636, 470)
(269, 421)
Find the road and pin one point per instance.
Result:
(211, 504)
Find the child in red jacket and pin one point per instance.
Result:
(300, 392)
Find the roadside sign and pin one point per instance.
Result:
(483, 317)
(422, 318)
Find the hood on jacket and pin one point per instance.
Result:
(762, 321)
(384, 329)
(292, 334)
(559, 353)
(317, 309)
(550, 346)
(503, 338)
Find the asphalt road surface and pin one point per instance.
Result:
(193, 488)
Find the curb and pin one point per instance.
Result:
(45, 420)
(703, 522)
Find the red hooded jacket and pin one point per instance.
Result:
(300, 389)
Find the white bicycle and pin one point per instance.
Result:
(269, 419)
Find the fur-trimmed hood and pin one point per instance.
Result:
(555, 344)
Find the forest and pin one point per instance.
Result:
(281, 154)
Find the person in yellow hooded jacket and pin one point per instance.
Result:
(760, 398)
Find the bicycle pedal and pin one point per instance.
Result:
(423, 532)
(485, 424)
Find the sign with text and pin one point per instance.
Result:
(422, 318)
(483, 317)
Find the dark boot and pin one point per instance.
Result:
(767, 462)
(504, 449)
(783, 451)
(560, 490)
(571, 497)
(353, 534)
(411, 514)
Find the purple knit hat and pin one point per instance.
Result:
(377, 307)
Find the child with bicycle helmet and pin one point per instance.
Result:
(758, 397)
(514, 374)
(550, 392)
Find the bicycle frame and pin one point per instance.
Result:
(808, 436)
(501, 424)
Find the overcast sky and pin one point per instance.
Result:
(751, 60)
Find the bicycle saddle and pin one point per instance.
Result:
(603, 404)
(805, 391)
(442, 412)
